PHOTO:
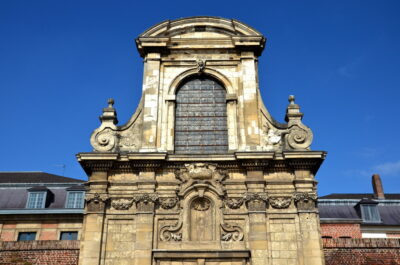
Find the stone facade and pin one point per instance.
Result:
(201, 173)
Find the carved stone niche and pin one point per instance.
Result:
(305, 201)
(202, 220)
(96, 202)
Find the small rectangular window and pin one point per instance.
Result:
(26, 236)
(36, 200)
(370, 213)
(75, 199)
(71, 235)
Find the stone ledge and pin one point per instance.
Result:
(361, 243)
(40, 245)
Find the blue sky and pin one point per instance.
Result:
(61, 60)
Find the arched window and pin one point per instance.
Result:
(200, 117)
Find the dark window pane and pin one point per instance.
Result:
(370, 213)
(201, 118)
(72, 235)
(25, 236)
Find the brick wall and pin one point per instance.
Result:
(39, 252)
(341, 230)
(361, 251)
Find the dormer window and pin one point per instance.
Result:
(36, 197)
(369, 211)
(75, 199)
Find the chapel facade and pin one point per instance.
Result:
(201, 173)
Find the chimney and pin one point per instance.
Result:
(377, 185)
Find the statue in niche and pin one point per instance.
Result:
(202, 220)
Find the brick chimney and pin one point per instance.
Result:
(377, 185)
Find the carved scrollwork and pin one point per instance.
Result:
(168, 203)
(171, 232)
(104, 140)
(256, 201)
(299, 137)
(231, 232)
(280, 202)
(121, 204)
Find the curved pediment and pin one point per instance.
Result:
(200, 33)
(216, 26)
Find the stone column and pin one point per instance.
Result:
(151, 80)
(93, 224)
(256, 205)
(145, 202)
(305, 199)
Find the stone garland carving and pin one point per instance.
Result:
(231, 232)
(171, 232)
(121, 204)
(280, 202)
(234, 203)
(167, 203)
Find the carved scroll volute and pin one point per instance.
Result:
(298, 135)
(305, 201)
(171, 232)
(104, 139)
(231, 232)
(96, 202)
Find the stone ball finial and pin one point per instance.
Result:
(110, 102)
(291, 99)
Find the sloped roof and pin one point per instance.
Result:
(359, 196)
(34, 177)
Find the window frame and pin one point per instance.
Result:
(370, 213)
(82, 203)
(62, 232)
(30, 194)
(26, 232)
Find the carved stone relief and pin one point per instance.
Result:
(305, 201)
(280, 202)
(145, 201)
(171, 232)
(168, 203)
(231, 232)
(96, 201)
(121, 204)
